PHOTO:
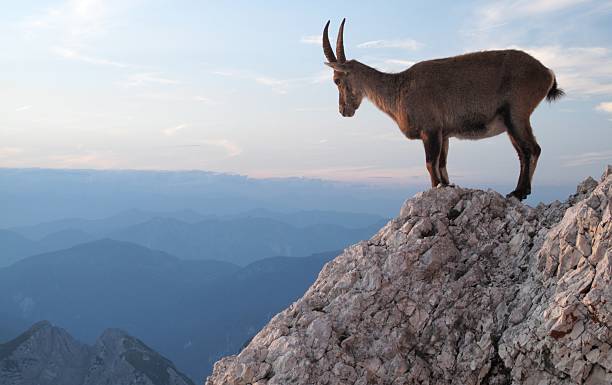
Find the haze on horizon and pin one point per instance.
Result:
(241, 87)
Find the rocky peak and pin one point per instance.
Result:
(117, 355)
(464, 287)
(48, 355)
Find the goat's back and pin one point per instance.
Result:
(446, 92)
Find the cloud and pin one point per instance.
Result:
(581, 71)
(171, 131)
(605, 107)
(231, 148)
(281, 86)
(23, 108)
(392, 65)
(145, 78)
(203, 99)
(278, 85)
(408, 44)
(71, 54)
(587, 158)
(312, 39)
(502, 11)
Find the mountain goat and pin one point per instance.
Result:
(471, 96)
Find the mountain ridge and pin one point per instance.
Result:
(46, 355)
(189, 235)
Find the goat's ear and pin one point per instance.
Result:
(340, 67)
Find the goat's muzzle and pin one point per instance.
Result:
(347, 112)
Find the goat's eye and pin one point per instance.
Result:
(337, 81)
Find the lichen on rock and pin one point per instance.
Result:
(464, 287)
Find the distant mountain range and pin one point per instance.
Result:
(241, 238)
(48, 355)
(193, 311)
(29, 196)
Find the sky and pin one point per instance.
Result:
(240, 87)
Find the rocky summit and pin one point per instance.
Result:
(464, 287)
(48, 355)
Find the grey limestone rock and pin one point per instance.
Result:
(464, 287)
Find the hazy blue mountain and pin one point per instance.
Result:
(101, 227)
(14, 246)
(192, 311)
(64, 239)
(241, 240)
(104, 226)
(99, 193)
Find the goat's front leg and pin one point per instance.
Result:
(442, 162)
(432, 142)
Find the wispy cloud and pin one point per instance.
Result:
(409, 44)
(146, 78)
(392, 65)
(232, 149)
(587, 158)
(605, 107)
(23, 108)
(503, 11)
(279, 85)
(171, 131)
(72, 54)
(203, 99)
(312, 39)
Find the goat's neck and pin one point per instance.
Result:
(381, 89)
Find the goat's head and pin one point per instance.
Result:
(345, 77)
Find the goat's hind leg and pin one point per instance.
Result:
(528, 151)
(535, 150)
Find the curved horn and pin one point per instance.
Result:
(340, 43)
(327, 49)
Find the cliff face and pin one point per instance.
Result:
(464, 287)
(48, 355)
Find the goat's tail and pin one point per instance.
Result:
(555, 92)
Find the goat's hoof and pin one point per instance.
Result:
(518, 194)
(441, 185)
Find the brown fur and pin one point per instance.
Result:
(471, 96)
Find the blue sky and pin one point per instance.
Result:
(241, 87)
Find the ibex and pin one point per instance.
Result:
(472, 96)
